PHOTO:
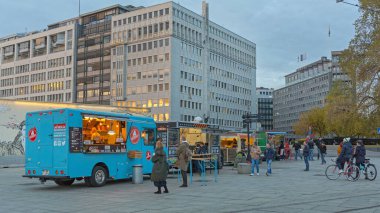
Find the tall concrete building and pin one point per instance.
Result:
(265, 107)
(304, 89)
(164, 57)
(39, 66)
(182, 66)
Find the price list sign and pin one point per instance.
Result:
(76, 142)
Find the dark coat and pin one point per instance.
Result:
(346, 152)
(269, 154)
(360, 154)
(160, 166)
(296, 146)
(323, 149)
(305, 150)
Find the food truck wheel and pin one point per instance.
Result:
(67, 182)
(98, 177)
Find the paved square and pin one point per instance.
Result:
(289, 189)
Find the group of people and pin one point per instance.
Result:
(161, 168)
(255, 153)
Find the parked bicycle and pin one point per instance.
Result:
(352, 172)
(369, 170)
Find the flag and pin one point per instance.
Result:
(301, 57)
(329, 31)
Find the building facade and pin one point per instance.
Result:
(39, 66)
(265, 107)
(182, 65)
(304, 89)
(164, 57)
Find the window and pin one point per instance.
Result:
(148, 136)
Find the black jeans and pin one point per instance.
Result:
(184, 177)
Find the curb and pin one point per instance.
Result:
(12, 166)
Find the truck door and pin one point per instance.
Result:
(44, 139)
(148, 137)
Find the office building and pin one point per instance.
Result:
(164, 57)
(265, 107)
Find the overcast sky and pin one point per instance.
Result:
(281, 29)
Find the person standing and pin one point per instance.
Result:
(255, 155)
(297, 148)
(269, 155)
(281, 149)
(184, 155)
(318, 144)
(323, 152)
(160, 167)
(311, 149)
(306, 153)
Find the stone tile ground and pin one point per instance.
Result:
(289, 189)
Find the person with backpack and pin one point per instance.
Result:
(359, 154)
(306, 153)
(345, 154)
(269, 155)
(297, 148)
(184, 156)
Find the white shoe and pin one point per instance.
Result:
(251, 174)
(257, 174)
(341, 171)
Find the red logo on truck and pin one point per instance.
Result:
(134, 135)
(32, 134)
(148, 155)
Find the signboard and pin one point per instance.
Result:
(59, 135)
(75, 137)
(134, 135)
(32, 134)
(148, 155)
(164, 136)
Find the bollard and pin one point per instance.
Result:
(137, 176)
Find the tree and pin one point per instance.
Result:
(362, 64)
(316, 119)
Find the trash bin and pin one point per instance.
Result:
(137, 176)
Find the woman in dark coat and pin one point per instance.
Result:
(359, 153)
(160, 167)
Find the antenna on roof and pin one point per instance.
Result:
(79, 9)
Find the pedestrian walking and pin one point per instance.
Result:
(255, 155)
(306, 153)
(184, 156)
(318, 144)
(160, 167)
(297, 148)
(281, 149)
(269, 155)
(323, 152)
(311, 149)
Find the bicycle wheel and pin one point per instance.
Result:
(332, 172)
(352, 173)
(370, 172)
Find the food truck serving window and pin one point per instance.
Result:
(103, 134)
(148, 136)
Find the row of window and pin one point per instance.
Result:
(22, 80)
(226, 110)
(142, 17)
(229, 99)
(148, 60)
(147, 89)
(7, 71)
(56, 62)
(232, 76)
(187, 33)
(191, 91)
(156, 74)
(187, 17)
(218, 59)
(161, 117)
(6, 82)
(38, 65)
(190, 105)
(191, 63)
(234, 40)
(191, 48)
(148, 45)
(162, 102)
(22, 69)
(229, 87)
(191, 77)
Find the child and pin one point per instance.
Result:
(269, 155)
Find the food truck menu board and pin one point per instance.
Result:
(164, 136)
(173, 141)
(76, 142)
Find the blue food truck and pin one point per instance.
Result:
(65, 145)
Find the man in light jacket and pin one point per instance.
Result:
(184, 156)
